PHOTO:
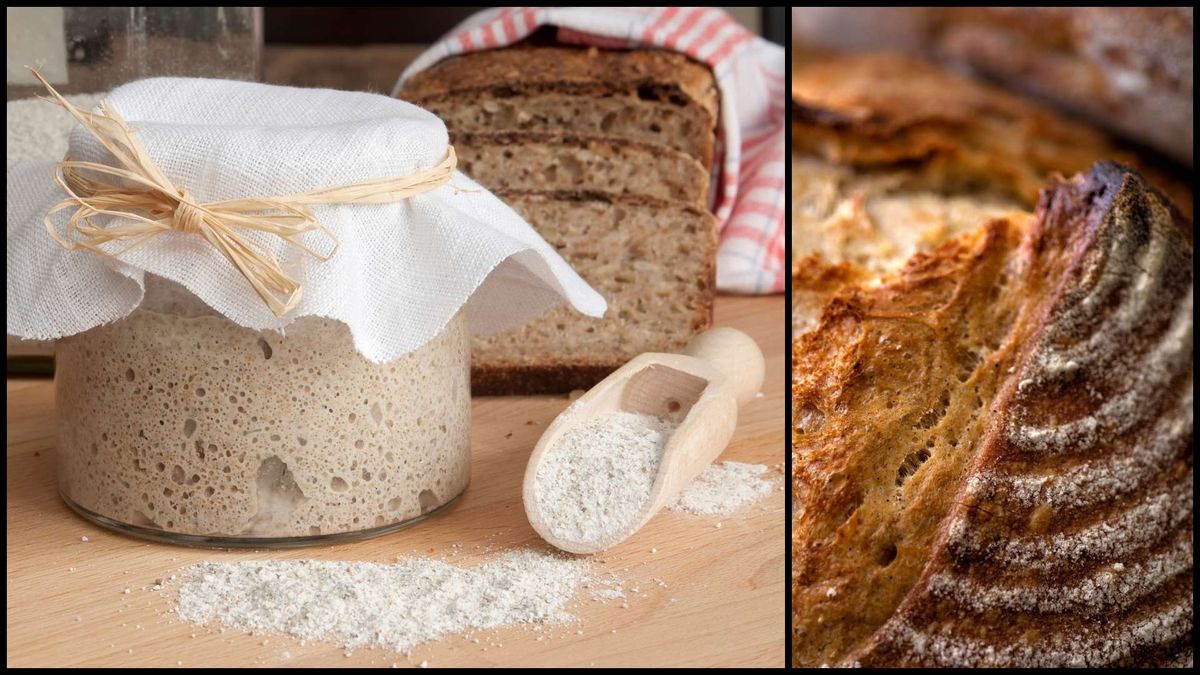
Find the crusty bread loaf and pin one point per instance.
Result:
(652, 261)
(596, 113)
(1125, 68)
(894, 156)
(889, 391)
(873, 111)
(1129, 68)
(992, 409)
(607, 154)
(521, 161)
(993, 447)
(878, 218)
(644, 95)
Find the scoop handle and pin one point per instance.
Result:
(735, 355)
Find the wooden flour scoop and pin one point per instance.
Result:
(700, 390)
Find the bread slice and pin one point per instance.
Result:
(524, 161)
(645, 95)
(653, 261)
(607, 153)
(992, 448)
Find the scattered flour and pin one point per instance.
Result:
(726, 488)
(39, 131)
(594, 483)
(395, 606)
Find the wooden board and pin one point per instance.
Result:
(723, 602)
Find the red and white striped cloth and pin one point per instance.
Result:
(750, 184)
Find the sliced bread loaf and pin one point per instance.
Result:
(653, 261)
(521, 161)
(642, 95)
(606, 152)
(598, 112)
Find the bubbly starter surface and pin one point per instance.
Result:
(184, 422)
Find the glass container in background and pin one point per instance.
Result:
(93, 49)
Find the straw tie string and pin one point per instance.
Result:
(147, 204)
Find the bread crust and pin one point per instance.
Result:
(535, 379)
(878, 110)
(1125, 68)
(1128, 68)
(1087, 383)
(648, 73)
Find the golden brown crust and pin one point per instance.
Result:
(885, 388)
(1049, 520)
(1091, 565)
(875, 110)
(646, 73)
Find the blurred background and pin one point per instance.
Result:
(1127, 69)
(89, 49)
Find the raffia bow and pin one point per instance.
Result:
(150, 204)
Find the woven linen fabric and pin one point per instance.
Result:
(750, 185)
(400, 272)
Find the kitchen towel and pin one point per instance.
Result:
(750, 73)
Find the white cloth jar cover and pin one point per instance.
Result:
(401, 269)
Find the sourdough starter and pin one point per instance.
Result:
(178, 420)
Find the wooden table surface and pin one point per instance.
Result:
(723, 602)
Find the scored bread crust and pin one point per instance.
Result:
(556, 162)
(1049, 522)
(880, 110)
(886, 390)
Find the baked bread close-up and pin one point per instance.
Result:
(608, 154)
(893, 156)
(1127, 69)
(992, 380)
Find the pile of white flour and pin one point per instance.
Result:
(726, 488)
(395, 606)
(594, 482)
(38, 130)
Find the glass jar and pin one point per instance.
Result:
(86, 51)
(177, 424)
(93, 49)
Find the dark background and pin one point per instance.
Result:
(367, 25)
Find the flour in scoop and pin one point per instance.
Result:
(594, 483)
(395, 606)
(726, 488)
